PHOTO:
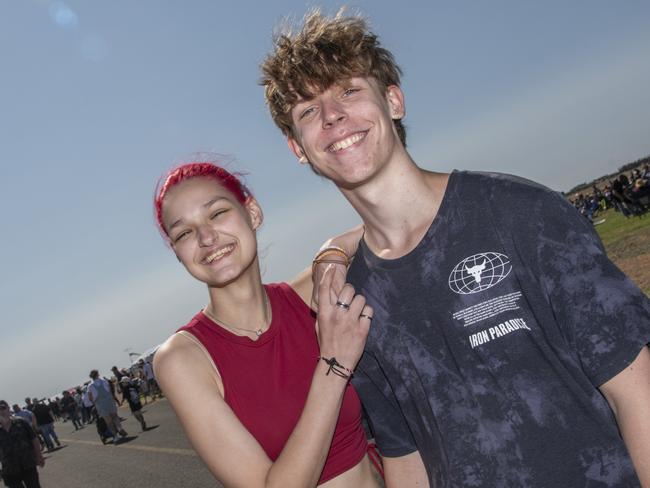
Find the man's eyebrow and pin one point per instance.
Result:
(207, 204)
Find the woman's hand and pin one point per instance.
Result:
(349, 242)
(343, 322)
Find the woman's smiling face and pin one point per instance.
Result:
(212, 234)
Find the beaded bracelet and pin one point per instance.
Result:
(328, 251)
(337, 368)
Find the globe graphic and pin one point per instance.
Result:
(479, 272)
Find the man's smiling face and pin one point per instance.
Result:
(346, 132)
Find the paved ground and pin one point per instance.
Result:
(160, 457)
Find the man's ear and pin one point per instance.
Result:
(297, 150)
(395, 99)
(254, 211)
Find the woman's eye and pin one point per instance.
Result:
(217, 213)
(182, 235)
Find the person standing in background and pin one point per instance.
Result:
(45, 423)
(99, 392)
(20, 451)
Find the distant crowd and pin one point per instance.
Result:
(628, 194)
(27, 431)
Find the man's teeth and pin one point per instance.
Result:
(219, 253)
(347, 142)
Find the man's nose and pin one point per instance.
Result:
(333, 113)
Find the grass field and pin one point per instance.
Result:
(628, 244)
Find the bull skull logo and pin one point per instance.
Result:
(476, 271)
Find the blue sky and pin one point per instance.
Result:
(97, 99)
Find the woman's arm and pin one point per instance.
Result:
(191, 383)
(306, 284)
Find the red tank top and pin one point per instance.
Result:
(266, 382)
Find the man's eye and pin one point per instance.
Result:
(307, 112)
(350, 91)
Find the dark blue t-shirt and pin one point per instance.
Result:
(491, 337)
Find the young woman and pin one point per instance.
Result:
(263, 396)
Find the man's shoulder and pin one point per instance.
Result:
(505, 192)
(495, 182)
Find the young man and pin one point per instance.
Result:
(45, 423)
(505, 348)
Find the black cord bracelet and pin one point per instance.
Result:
(337, 368)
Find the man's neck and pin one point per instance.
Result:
(5, 422)
(398, 206)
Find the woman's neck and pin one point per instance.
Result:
(242, 304)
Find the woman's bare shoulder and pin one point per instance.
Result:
(181, 357)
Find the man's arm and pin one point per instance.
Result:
(628, 393)
(405, 471)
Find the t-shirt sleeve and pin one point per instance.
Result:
(385, 418)
(602, 314)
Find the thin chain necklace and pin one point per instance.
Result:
(267, 318)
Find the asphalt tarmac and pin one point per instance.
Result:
(160, 457)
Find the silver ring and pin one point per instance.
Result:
(364, 316)
(343, 305)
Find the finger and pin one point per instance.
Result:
(346, 296)
(324, 295)
(357, 304)
(318, 270)
(338, 281)
(366, 313)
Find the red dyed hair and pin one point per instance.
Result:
(229, 181)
